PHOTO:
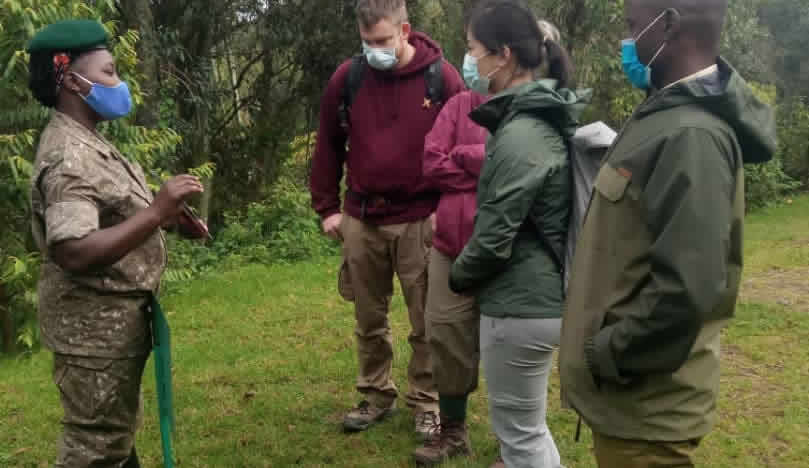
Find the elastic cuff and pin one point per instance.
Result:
(453, 286)
(598, 354)
(456, 275)
(453, 408)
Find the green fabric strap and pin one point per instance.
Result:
(162, 360)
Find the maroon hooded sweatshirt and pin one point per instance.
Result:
(453, 157)
(389, 120)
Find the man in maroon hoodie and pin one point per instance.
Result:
(386, 228)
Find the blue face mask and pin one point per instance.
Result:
(382, 58)
(471, 75)
(639, 75)
(110, 102)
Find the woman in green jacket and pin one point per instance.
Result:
(513, 261)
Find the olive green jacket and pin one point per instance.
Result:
(659, 259)
(513, 261)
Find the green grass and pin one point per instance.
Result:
(778, 237)
(265, 365)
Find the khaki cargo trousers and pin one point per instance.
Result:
(102, 408)
(372, 256)
(453, 330)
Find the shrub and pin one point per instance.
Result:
(18, 277)
(282, 228)
(768, 183)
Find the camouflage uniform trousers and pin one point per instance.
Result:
(102, 405)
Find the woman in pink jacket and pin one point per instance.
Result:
(453, 156)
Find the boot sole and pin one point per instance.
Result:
(424, 461)
(359, 426)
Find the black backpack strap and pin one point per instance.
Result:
(434, 79)
(351, 87)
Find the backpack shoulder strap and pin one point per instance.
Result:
(434, 79)
(351, 87)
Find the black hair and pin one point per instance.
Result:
(509, 23)
(42, 75)
(42, 78)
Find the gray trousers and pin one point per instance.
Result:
(517, 356)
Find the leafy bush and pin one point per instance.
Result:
(282, 228)
(18, 277)
(768, 183)
(793, 139)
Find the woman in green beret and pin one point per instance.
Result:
(98, 228)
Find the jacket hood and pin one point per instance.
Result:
(726, 95)
(427, 52)
(560, 106)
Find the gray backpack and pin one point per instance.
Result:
(587, 149)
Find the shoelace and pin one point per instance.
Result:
(429, 422)
(363, 407)
(428, 419)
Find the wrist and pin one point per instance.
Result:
(154, 218)
(330, 214)
(600, 359)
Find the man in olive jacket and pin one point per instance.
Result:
(659, 259)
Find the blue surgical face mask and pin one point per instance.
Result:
(111, 102)
(380, 58)
(639, 75)
(471, 75)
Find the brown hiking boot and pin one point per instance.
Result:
(427, 424)
(450, 441)
(365, 415)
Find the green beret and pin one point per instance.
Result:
(70, 35)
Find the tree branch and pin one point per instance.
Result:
(247, 68)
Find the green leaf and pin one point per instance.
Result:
(10, 66)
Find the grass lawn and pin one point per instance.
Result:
(265, 365)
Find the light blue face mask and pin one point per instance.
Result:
(639, 75)
(110, 102)
(471, 75)
(380, 58)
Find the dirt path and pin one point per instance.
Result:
(783, 287)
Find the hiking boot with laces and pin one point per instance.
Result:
(427, 424)
(450, 441)
(364, 415)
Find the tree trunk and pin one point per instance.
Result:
(241, 114)
(6, 323)
(205, 200)
(137, 15)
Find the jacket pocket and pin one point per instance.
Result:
(612, 183)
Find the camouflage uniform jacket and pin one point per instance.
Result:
(81, 184)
